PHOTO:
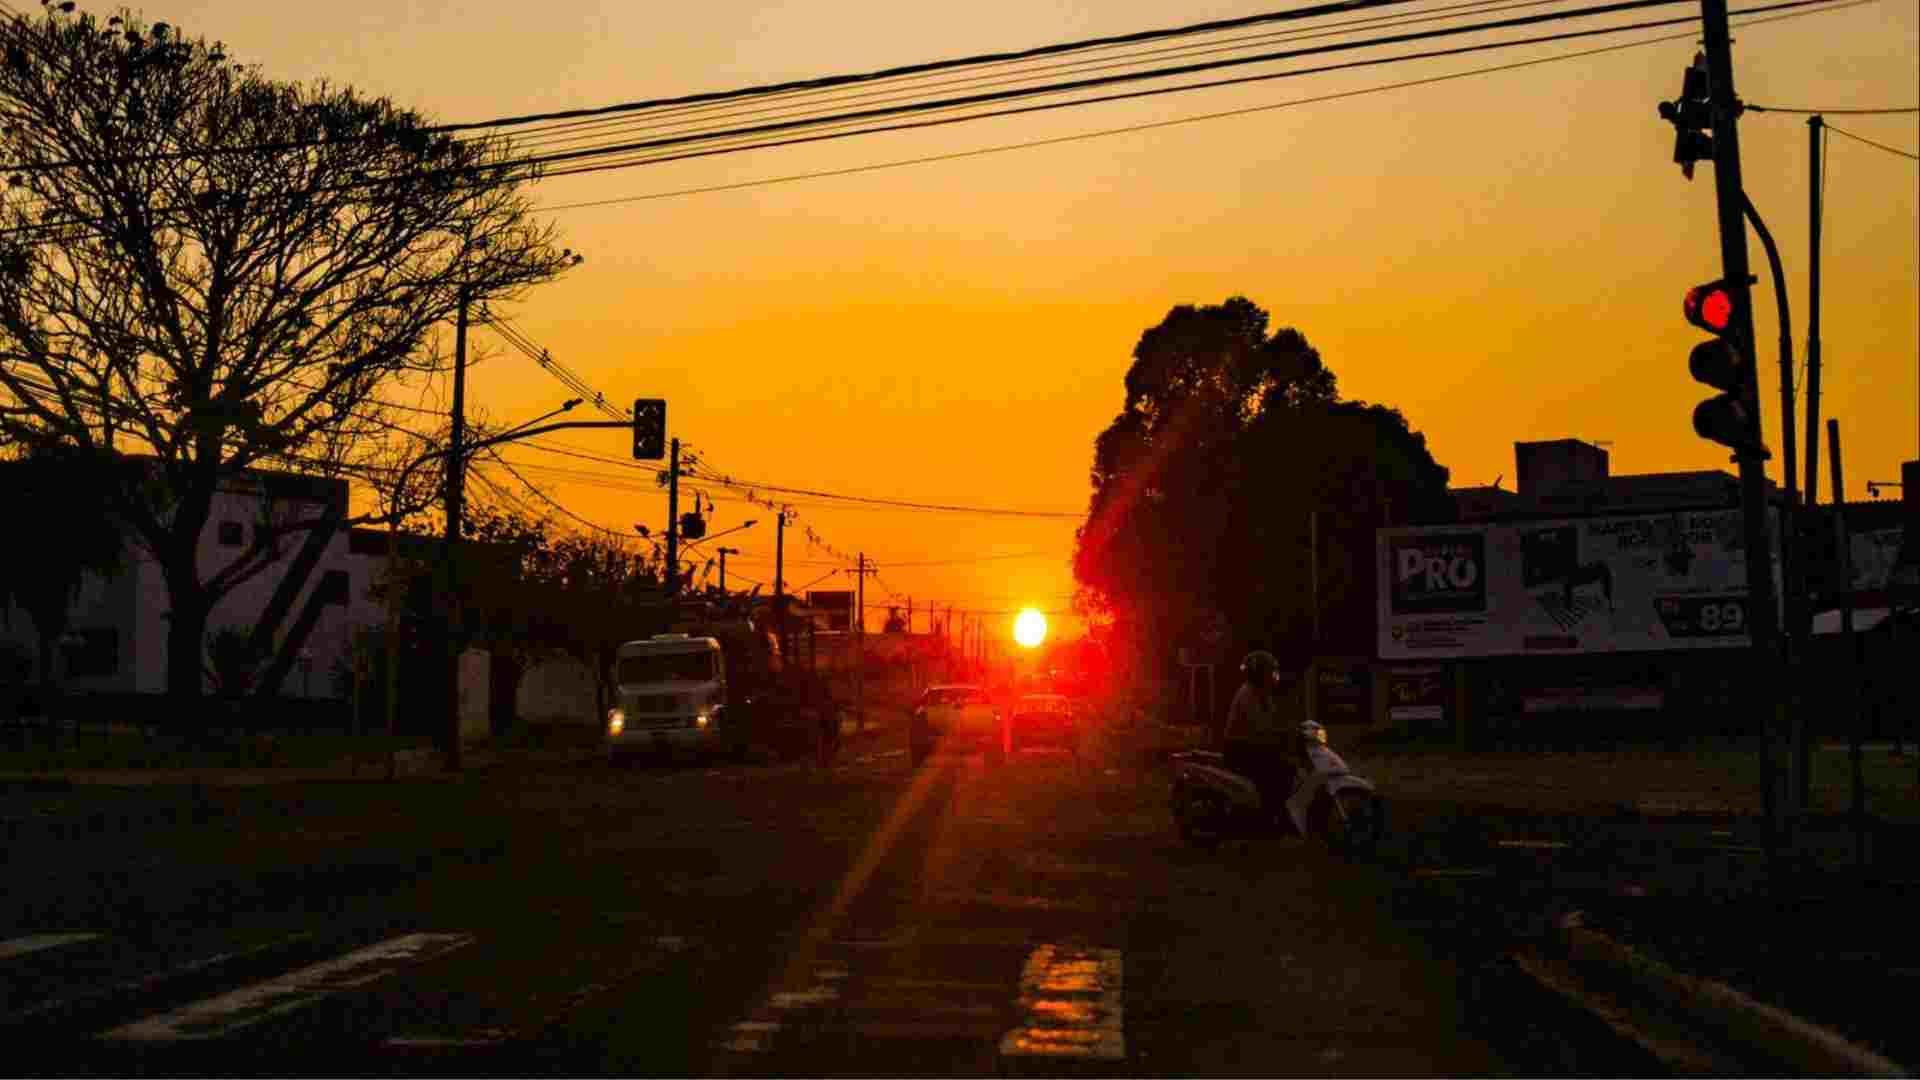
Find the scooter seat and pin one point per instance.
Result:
(1202, 757)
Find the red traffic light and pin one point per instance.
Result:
(1710, 307)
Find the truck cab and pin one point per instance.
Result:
(671, 694)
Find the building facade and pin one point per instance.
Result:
(315, 588)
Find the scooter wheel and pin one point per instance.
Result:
(1353, 826)
(1198, 817)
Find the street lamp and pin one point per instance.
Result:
(724, 552)
(724, 532)
(567, 406)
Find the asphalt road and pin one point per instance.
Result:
(756, 919)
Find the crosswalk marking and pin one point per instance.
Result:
(21, 946)
(216, 1016)
(1072, 1000)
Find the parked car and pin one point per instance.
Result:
(1045, 720)
(958, 717)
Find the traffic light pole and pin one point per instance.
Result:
(1762, 612)
(673, 521)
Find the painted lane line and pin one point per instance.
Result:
(213, 1017)
(493, 1036)
(1072, 1001)
(21, 946)
(757, 1034)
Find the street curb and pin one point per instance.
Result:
(1779, 1034)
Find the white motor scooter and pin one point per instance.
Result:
(1328, 804)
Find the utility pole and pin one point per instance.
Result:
(456, 508)
(1762, 613)
(860, 644)
(779, 579)
(1815, 208)
(1857, 804)
(673, 520)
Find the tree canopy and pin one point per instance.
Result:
(1231, 446)
(218, 271)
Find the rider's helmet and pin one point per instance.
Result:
(1259, 666)
(1312, 733)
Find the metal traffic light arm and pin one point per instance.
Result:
(512, 436)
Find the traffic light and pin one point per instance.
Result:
(1691, 116)
(649, 428)
(1724, 363)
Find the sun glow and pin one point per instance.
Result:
(1030, 628)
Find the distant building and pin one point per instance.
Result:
(117, 636)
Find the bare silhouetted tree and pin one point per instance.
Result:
(220, 271)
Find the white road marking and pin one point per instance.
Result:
(216, 1016)
(500, 1036)
(1072, 998)
(21, 946)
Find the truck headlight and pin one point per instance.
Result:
(616, 721)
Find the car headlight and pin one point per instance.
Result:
(616, 721)
(708, 715)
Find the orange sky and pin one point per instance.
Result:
(1501, 257)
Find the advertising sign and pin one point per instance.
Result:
(1584, 585)
(1417, 693)
(833, 609)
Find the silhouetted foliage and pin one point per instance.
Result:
(61, 532)
(220, 270)
(1205, 487)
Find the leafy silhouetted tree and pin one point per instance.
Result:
(61, 533)
(1205, 485)
(219, 270)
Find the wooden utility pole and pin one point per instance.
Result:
(456, 509)
(673, 520)
(1857, 805)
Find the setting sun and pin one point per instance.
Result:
(1030, 628)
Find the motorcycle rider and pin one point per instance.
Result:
(1261, 744)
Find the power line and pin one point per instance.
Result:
(1908, 154)
(1076, 85)
(1130, 128)
(581, 165)
(833, 81)
(816, 103)
(1831, 112)
(1055, 88)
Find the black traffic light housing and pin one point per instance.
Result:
(649, 429)
(1726, 364)
(1692, 117)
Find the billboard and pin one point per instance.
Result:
(832, 609)
(1624, 583)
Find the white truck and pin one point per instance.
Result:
(716, 686)
(671, 694)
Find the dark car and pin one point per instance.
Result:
(1045, 720)
(957, 718)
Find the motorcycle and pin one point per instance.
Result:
(1328, 803)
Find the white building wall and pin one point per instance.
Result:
(136, 603)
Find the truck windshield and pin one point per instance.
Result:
(667, 667)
